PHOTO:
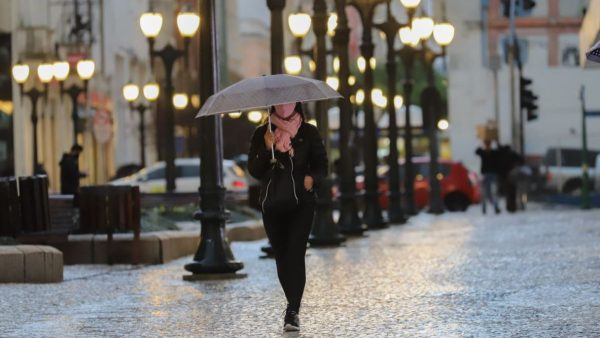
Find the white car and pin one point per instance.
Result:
(562, 169)
(152, 179)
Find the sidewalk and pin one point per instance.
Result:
(531, 274)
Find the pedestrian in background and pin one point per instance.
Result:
(289, 159)
(489, 174)
(69, 171)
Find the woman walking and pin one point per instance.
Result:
(288, 156)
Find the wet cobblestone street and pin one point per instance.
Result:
(534, 274)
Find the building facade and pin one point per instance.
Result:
(479, 77)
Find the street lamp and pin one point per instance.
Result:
(85, 71)
(325, 231)
(415, 32)
(131, 92)
(20, 73)
(187, 25)
(443, 34)
(180, 101)
(214, 256)
(372, 215)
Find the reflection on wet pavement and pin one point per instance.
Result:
(532, 274)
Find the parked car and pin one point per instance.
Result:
(562, 169)
(459, 186)
(152, 179)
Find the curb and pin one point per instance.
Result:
(154, 247)
(30, 264)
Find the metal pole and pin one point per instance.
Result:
(142, 110)
(214, 256)
(74, 93)
(511, 62)
(372, 215)
(349, 222)
(170, 124)
(409, 174)
(324, 231)
(433, 108)
(34, 119)
(585, 188)
(390, 28)
(276, 8)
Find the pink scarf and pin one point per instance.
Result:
(286, 129)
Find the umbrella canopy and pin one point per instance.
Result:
(265, 91)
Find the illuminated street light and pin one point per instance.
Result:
(151, 23)
(299, 24)
(61, 70)
(423, 27)
(255, 116)
(332, 24)
(293, 65)
(333, 82)
(131, 92)
(410, 4)
(151, 91)
(188, 23)
(45, 72)
(85, 69)
(180, 100)
(235, 115)
(443, 124)
(398, 101)
(443, 33)
(20, 72)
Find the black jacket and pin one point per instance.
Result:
(310, 157)
(69, 174)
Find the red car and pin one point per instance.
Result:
(459, 186)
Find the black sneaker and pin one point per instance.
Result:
(291, 321)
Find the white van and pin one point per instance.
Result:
(563, 172)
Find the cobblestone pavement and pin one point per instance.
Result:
(535, 274)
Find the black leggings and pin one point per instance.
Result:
(288, 234)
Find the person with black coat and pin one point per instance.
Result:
(69, 171)
(490, 169)
(288, 156)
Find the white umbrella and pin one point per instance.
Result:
(266, 91)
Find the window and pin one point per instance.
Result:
(569, 50)
(188, 170)
(156, 174)
(569, 157)
(572, 8)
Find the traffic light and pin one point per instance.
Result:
(528, 99)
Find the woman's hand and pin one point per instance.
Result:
(269, 139)
(308, 183)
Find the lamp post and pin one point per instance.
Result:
(214, 256)
(325, 231)
(349, 222)
(187, 24)
(390, 29)
(372, 214)
(443, 34)
(131, 92)
(276, 8)
(45, 74)
(85, 70)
